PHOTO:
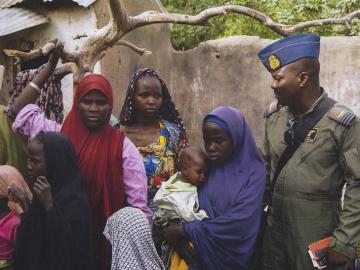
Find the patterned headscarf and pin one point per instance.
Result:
(50, 99)
(129, 233)
(168, 110)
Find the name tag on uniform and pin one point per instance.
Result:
(311, 136)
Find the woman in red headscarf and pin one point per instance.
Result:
(111, 167)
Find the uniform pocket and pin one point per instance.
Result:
(316, 147)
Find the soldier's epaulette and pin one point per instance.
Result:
(342, 116)
(274, 107)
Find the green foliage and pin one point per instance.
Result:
(282, 11)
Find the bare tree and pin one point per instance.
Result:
(120, 23)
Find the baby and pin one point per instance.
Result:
(177, 198)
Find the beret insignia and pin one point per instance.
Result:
(274, 62)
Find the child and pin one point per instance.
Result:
(10, 179)
(55, 232)
(178, 201)
(129, 233)
(177, 198)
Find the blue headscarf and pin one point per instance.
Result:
(232, 198)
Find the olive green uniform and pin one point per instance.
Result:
(306, 204)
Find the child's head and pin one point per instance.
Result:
(194, 165)
(36, 157)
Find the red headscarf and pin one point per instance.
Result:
(100, 156)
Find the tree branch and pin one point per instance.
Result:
(21, 56)
(152, 17)
(118, 15)
(64, 70)
(120, 23)
(345, 20)
(140, 51)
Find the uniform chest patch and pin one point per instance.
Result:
(311, 136)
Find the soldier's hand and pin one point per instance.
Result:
(336, 259)
(333, 259)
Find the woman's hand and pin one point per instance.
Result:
(56, 53)
(42, 189)
(173, 233)
(15, 194)
(32, 91)
(175, 236)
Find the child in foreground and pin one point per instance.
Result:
(177, 201)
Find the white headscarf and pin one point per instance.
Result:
(129, 233)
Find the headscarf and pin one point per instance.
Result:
(168, 110)
(232, 198)
(11, 177)
(50, 100)
(64, 242)
(100, 158)
(132, 246)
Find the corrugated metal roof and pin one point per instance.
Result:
(84, 3)
(9, 3)
(15, 19)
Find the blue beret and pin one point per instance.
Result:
(288, 50)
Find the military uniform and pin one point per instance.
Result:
(306, 203)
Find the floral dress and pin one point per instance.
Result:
(160, 157)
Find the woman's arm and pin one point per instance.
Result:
(135, 180)
(31, 120)
(32, 90)
(175, 236)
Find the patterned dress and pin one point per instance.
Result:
(160, 157)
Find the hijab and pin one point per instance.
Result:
(100, 158)
(60, 239)
(232, 198)
(129, 233)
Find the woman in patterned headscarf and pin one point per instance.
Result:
(151, 121)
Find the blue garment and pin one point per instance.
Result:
(216, 120)
(232, 198)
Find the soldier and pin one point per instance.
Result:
(311, 149)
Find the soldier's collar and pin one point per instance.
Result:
(323, 94)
